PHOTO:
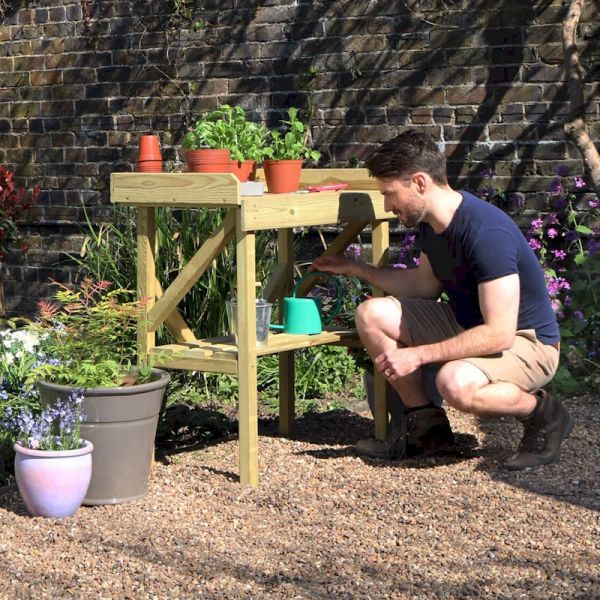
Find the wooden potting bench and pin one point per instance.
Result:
(354, 208)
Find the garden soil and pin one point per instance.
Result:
(324, 523)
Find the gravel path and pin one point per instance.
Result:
(327, 524)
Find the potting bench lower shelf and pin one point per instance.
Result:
(352, 210)
(220, 355)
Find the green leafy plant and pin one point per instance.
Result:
(89, 337)
(228, 128)
(290, 143)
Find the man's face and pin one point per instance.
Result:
(403, 197)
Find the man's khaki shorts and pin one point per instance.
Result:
(530, 364)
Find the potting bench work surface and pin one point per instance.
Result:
(354, 208)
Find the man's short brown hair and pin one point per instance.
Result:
(407, 153)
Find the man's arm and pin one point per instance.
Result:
(419, 282)
(499, 305)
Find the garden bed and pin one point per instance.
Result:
(326, 524)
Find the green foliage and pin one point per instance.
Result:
(227, 128)
(88, 334)
(291, 143)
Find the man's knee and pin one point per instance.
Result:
(458, 383)
(377, 313)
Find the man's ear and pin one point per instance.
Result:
(422, 180)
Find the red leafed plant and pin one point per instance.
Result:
(14, 205)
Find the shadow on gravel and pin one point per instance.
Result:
(344, 428)
(574, 479)
(185, 428)
(10, 500)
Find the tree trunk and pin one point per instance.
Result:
(575, 128)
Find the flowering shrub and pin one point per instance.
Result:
(89, 335)
(57, 427)
(568, 246)
(14, 205)
(19, 354)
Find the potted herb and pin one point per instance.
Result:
(53, 464)
(88, 336)
(226, 135)
(285, 153)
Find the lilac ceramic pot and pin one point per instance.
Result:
(53, 483)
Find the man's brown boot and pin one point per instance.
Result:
(421, 431)
(544, 431)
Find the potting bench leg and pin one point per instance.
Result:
(287, 397)
(381, 242)
(248, 418)
(146, 276)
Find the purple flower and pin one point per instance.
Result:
(487, 172)
(536, 224)
(399, 266)
(552, 233)
(556, 187)
(578, 315)
(559, 254)
(516, 200)
(535, 244)
(579, 182)
(593, 247)
(559, 203)
(593, 203)
(562, 170)
(354, 250)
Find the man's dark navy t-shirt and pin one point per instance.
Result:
(482, 243)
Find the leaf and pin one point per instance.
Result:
(583, 229)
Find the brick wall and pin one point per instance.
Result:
(79, 80)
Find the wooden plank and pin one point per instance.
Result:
(248, 406)
(338, 246)
(192, 271)
(225, 347)
(184, 190)
(175, 323)
(381, 242)
(358, 179)
(287, 392)
(320, 208)
(146, 277)
(211, 365)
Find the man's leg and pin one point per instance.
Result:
(380, 327)
(546, 422)
(424, 427)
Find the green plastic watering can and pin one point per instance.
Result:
(304, 315)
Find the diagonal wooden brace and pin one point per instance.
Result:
(191, 272)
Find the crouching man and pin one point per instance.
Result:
(496, 340)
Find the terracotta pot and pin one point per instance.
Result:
(53, 483)
(149, 148)
(149, 166)
(207, 160)
(282, 176)
(244, 171)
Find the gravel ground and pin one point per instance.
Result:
(326, 524)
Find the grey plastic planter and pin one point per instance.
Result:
(121, 423)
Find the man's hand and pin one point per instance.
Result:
(331, 263)
(398, 362)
